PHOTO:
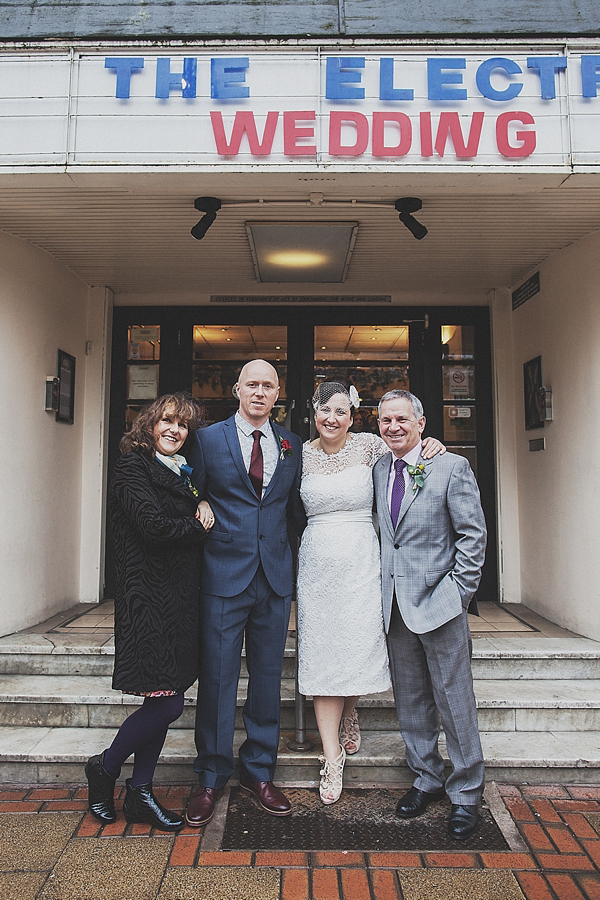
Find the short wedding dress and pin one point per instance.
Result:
(341, 642)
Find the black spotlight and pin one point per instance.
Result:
(406, 206)
(210, 206)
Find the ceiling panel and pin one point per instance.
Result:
(133, 234)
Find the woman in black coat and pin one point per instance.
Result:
(158, 531)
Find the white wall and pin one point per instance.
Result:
(559, 487)
(43, 308)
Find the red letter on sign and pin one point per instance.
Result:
(426, 138)
(527, 138)
(292, 133)
(450, 127)
(361, 124)
(405, 127)
(244, 124)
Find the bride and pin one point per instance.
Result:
(341, 642)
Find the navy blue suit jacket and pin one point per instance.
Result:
(246, 530)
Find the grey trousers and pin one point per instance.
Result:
(432, 680)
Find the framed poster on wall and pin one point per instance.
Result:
(534, 397)
(66, 391)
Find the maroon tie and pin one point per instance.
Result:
(256, 464)
(397, 490)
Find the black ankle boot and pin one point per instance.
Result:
(142, 806)
(101, 790)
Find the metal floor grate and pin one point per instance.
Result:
(363, 819)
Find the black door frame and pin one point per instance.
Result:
(425, 355)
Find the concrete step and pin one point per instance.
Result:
(57, 755)
(80, 654)
(88, 701)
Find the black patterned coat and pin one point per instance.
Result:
(157, 555)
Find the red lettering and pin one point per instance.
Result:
(405, 136)
(426, 136)
(244, 124)
(360, 122)
(449, 127)
(527, 138)
(292, 133)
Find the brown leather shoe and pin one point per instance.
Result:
(201, 806)
(270, 798)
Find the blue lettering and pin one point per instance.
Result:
(387, 91)
(484, 73)
(179, 81)
(124, 67)
(590, 75)
(339, 74)
(227, 78)
(438, 78)
(547, 67)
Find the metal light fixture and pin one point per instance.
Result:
(406, 206)
(210, 206)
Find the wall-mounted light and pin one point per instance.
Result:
(406, 206)
(210, 207)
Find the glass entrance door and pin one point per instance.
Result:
(440, 354)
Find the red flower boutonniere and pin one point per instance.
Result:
(286, 447)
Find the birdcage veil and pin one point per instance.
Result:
(327, 389)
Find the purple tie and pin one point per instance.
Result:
(256, 464)
(397, 490)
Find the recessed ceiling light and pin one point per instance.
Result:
(323, 348)
(278, 347)
(227, 339)
(297, 259)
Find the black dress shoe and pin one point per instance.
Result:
(140, 805)
(101, 790)
(463, 821)
(201, 806)
(415, 802)
(270, 798)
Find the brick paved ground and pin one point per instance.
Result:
(560, 860)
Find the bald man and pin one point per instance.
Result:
(248, 468)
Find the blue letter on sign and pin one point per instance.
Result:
(339, 74)
(227, 77)
(590, 76)
(484, 73)
(387, 91)
(124, 66)
(547, 66)
(438, 78)
(167, 80)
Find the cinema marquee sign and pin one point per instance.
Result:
(304, 108)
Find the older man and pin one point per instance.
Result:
(433, 539)
(248, 468)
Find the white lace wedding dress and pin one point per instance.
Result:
(341, 641)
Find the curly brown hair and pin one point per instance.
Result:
(141, 436)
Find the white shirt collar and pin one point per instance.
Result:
(412, 456)
(247, 428)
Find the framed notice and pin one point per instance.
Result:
(142, 382)
(534, 400)
(66, 389)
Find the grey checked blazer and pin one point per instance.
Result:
(432, 560)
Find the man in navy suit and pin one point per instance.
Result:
(248, 468)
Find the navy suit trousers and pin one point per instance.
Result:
(262, 617)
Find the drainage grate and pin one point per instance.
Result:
(363, 819)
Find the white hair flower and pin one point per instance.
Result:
(354, 398)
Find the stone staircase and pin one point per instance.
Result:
(538, 701)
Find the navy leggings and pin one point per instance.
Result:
(143, 734)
